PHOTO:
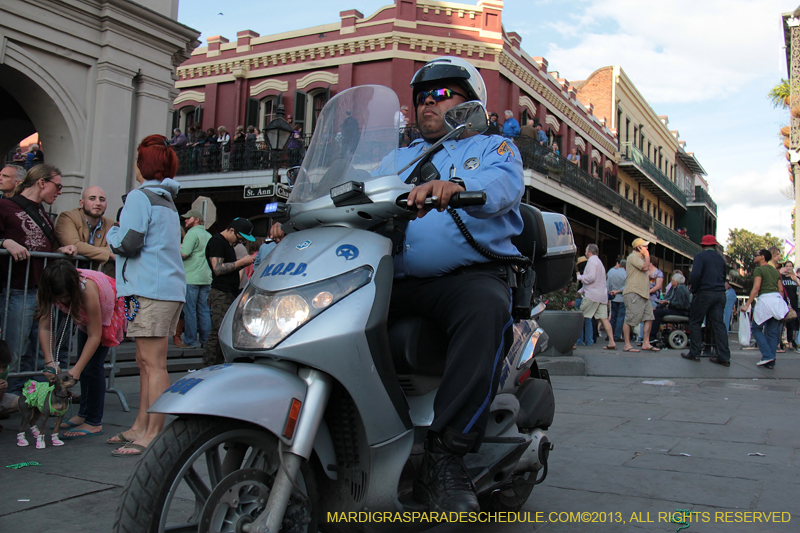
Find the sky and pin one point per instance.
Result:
(708, 65)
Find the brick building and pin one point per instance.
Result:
(244, 82)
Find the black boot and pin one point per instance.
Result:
(443, 483)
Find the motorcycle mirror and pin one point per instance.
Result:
(471, 114)
(291, 174)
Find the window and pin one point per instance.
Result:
(648, 207)
(641, 202)
(634, 198)
(269, 107)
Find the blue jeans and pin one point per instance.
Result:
(766, 336)
(196, 312)
(587, 335)
(20, 333)
(93, 383)
(617, 318)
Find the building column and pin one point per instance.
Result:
(110, 145)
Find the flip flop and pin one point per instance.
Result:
(138, 450)
(652, 349)
(122, 440)
(610, 347)
(86, 433)
(634, 350)
(66, 424)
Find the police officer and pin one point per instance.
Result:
(440, 276)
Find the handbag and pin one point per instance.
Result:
(791, 314)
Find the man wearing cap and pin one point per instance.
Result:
(637, 295)
(708, 303)
(224, 279)
(198, 280)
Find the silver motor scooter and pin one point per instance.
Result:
(320, 409)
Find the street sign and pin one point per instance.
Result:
(258, 191)
(282, 191)
(206, 206)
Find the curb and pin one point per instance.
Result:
(563, 366)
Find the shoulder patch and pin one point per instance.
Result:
(504, 149)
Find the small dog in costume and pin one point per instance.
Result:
(41, 401)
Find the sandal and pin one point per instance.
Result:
(138, 449)
(121, 439)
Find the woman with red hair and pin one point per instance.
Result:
(150, 276)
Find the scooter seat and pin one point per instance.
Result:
(418, 346)
(676, 319)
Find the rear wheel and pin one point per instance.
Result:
(210, 475)
(510, 498)
(678, 340)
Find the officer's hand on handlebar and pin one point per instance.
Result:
(442, 190)
(276, 232)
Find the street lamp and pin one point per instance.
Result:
(278, 132)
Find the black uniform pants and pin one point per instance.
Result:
(708, 305)
(472, 307)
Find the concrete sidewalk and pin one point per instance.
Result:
(639, 433)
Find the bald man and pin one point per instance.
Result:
(86, 228)
(10, 176)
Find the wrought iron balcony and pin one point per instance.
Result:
(545, 161)
(645, 171)
(212, 158)
(701, 196)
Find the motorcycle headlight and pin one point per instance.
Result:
(264, 319)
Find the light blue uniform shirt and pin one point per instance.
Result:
(434, 245)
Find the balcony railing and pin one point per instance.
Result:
(682, 244)
(702, 196)
(545, 161)
(631, 153)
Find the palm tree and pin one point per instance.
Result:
(779, 95)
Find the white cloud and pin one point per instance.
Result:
(753, 201)
(679, 51)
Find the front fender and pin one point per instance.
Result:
(253, 393)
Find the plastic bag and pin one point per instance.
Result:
(744, 329)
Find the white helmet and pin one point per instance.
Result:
(455, 69)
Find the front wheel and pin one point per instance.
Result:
(206, 474)
(678, 340)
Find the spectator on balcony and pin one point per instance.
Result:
(10, 177)
(212, 138)
(510, 126)
(86, 228)
(401, 118)
(527, 132)
(573, 156)
(555, 148)
(494, 127)
(33, 157)
(223, 139)
(178, 139)
(251, 135)
(191, 134)
(25, 227)
(261, 142)
(541, 136)
(19, 157)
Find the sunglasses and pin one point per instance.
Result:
(58, 185)
(438, 95)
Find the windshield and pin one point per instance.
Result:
(356, 133)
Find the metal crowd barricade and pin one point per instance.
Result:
(5, 298)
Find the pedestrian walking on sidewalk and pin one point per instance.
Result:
(595, 293)
(150, 275)
(770, 308)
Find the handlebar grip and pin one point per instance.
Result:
(467, 198)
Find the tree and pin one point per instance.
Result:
(779, 95)
(741, 249)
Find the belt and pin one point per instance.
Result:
(502, 270)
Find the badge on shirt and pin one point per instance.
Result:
(472, 163)
(504, 149)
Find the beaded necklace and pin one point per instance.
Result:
(128, 300)
(54, 351)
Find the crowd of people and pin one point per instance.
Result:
(215, 150)
(632, 294)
